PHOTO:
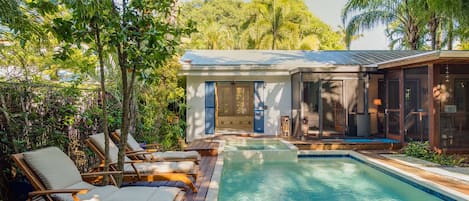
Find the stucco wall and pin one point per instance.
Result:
(277, 95)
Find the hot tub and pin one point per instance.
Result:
(259, 150)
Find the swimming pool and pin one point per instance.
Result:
(317, 178)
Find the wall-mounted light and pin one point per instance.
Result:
(377, 102)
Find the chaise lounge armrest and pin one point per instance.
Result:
(133, 152)
(132, 163)
(91, 174)
(102, 173)
(74, 193)
(151, 147)
(137, 153)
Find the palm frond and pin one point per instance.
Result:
(366, 21)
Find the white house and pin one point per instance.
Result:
(247, 91)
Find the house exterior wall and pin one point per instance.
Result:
(277, 98)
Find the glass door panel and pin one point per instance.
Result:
(235, 105)
(311, 97)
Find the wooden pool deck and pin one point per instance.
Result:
(208, 148)
(209, 151)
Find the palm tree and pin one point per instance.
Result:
(373, 13)
(444, 16)
(274, 22)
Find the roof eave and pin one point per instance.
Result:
(422, 58)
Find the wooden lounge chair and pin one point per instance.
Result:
(140, 170)
(139, 153)
(54, 176)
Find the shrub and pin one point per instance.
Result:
(418, 150)
(423, 151)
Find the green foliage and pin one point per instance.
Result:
(418, 150)
(425, 152)
(411, 24)
(258, 24)
(141, 34)
(161, 112)
(38, 59)
(36, 115)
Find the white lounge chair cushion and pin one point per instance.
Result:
(54, 167)
(57, 171)
(131, 142)
(144, 194)
(175, 155)
(161, 156)
(161, 167)
(95, 193)
(98, 141)
(112, 193)
(144, 168)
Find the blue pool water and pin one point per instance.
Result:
(317, 178)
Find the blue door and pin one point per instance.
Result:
(209, 108)
(259, 106)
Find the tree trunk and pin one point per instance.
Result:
(125, 111)
(122, 60)
(414, 37)
(6, 115)
(450, 37)
(103, 100)
(274, 38)
(433, 26)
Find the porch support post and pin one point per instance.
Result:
(366, 104)
(302, 113)
(433, 106)
(401, 106)
(321, 109)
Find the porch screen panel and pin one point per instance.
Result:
(311, 96)
(296, 101)
(454, 106)
(209, 107)
(416, 104)
(333, 114)
(392, 109)
(259, 106)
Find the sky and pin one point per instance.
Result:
(329, 11)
